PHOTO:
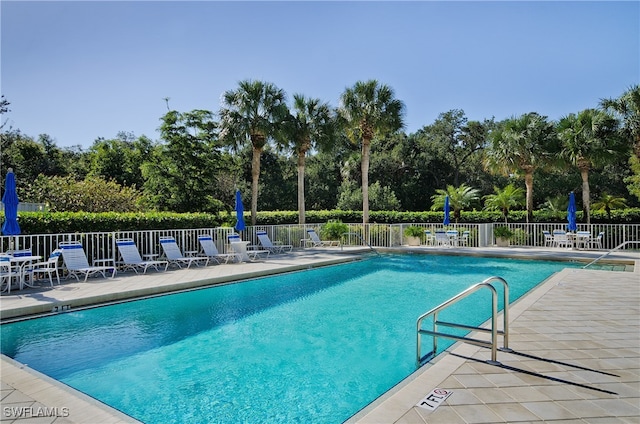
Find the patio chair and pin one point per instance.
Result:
(453, 237)
(77, 264)
(561, 239)
(315, 241)
(582, 239)
(131, 258)
(429, 238)
(246, 251)
(548, 239)
(463, 240)
(209, 248)
(20, 252)
(596, 242)
(48, 267)
(174, 255)
(442, 239)
(266, 243)
(9, 273)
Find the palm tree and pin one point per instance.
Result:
(520, 146)
(628, 109)
(460, 198)
(607, 202)
(556, 205)
(503, 200)
(310, 127)
(369, 109)
(589, 139)
(253, 113)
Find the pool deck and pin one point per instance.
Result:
(575, 341)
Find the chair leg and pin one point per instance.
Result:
(2, 281)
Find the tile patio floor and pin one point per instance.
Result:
(576, 338)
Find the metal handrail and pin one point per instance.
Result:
(361, 239)
(618, 247)
(494, 318)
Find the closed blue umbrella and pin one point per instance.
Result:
(10, 227)
(239, 212)
(446, 211)
(571, 213)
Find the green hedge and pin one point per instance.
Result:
(71, 222)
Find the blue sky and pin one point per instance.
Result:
(82, 70)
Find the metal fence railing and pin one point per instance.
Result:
(28, 207)
(102, 244)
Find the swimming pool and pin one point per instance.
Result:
(313, 346)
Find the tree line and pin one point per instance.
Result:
(308, 155)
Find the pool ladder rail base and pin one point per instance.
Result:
(362, 240)
(618, 247)
(494, 331)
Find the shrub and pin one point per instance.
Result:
(520, 237)
(333, 230)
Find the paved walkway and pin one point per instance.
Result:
(576, 342)
(580, 332)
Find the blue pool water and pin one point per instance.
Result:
(313, 346)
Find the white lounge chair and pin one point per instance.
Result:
(209, 248)
(174, 255)
(243, 249)
(49, 267)
(315, 241)
(131, 258)
(76, 263)
(266, 243)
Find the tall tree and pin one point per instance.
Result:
(253, 113)
(324, 177)
(456, 138)
(310, 126)
(520, 146)
(30, 158)
(179, 175)
(627, 107)
(277, 179)
(120, 158)
(369, 109)
(589, 139)
(4, 108)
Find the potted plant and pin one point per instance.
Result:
(503, 235)
(414, 235)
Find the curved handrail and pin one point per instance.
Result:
(618, 247)
(494, 317)
(361, 239)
